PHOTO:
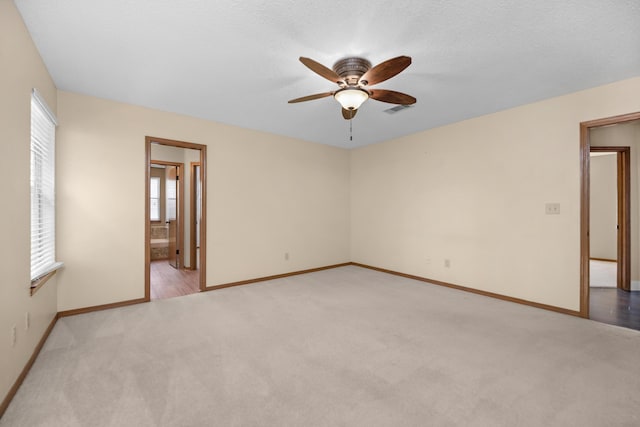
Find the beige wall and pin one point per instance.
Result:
(603, 198)
(626, 135)
(267, 195)
(474, 193)
(21, 70)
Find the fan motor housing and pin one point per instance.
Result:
(351, 69)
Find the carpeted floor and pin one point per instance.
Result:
(341, 347)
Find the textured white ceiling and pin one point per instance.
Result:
(236, 61)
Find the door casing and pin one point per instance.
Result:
(623, 208)
(175, 254)
(203, 223)
(195, 168)
(585, 150)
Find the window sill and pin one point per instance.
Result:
(40, 281)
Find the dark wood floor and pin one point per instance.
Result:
(168, 282)
(615, 307)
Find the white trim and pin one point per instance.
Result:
(43, 103)
(52, 267)
(635, 285)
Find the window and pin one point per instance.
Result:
(43, 221)
(154, 191)
(171, 190)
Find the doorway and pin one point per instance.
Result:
(195, 218)
(167, 211)
(615, 304)
(609, 235)
(175, 218)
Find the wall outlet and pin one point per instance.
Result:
(286, 256)
(27, 321)
(13, 336)
(552, 208)
(447, 263)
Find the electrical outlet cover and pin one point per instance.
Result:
(552, 208)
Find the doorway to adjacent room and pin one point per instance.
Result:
(610, 272)
(175, 244)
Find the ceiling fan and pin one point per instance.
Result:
(355, 76)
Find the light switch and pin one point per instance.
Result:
(552, 208)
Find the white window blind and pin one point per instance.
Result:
(43, 221)
(154, 192)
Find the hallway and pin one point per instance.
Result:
(607, 303)
(168, 282)
(615, 307)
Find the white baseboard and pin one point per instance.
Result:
(635, 285)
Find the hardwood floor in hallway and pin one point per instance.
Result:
(168, 282)
(615, 307)
(607, 303)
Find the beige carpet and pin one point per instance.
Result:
(342, 347)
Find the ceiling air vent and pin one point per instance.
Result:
(396, 109)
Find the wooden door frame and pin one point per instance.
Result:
(623, 237)
(203, 217)
(193, 215)
(624, 222)
(179, 206)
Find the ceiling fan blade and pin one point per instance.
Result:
(392, 97)
(348, 114)
(321, 70)
(311, 97)
(385, 70)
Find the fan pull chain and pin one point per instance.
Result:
(351, 129)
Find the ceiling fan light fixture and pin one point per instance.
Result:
(351, 98)
(352, 74)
